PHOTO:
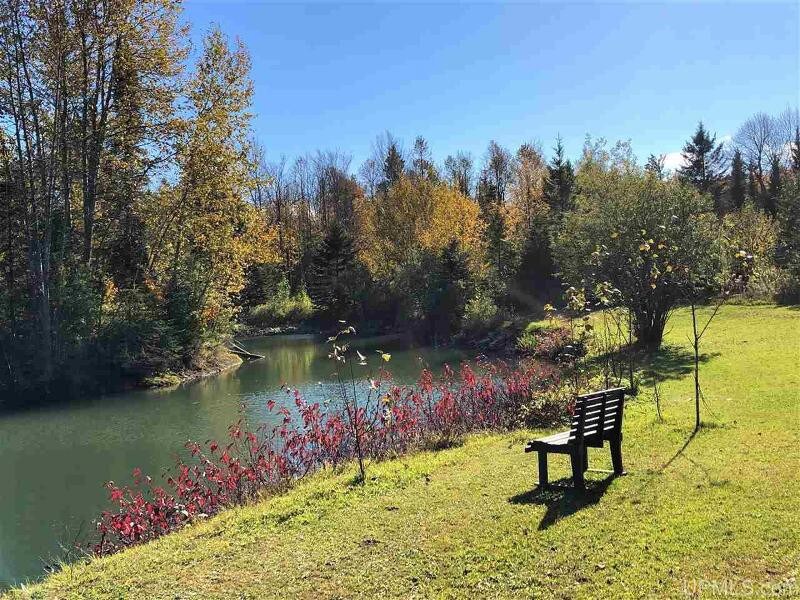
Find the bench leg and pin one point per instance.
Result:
(616, 456)
(585, 458)
(576, 458)
(542, 468)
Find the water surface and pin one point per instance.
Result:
(54, 460)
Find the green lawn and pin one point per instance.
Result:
(719, 508)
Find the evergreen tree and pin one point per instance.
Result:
(796, 152)
(560, 181)
(536, 282)
(330, 270)
(705, 165)
(774, 192)
(655, 165)
(752, 186)
(500, 252)
(393, 166)
(450, 286)
(486, 194)
(737, 181)
(788, 250)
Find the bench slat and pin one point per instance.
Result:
(596, 416)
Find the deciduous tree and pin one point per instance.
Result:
(645, 237)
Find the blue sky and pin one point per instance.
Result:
(334, 76)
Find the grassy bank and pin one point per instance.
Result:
(716, 508)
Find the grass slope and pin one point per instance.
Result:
(720, 507)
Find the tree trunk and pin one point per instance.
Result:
(696, 345)
(40, 293)
(649, 333)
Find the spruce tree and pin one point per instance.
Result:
(737, 181)
(486, 194)
(705, 165)
(393, 166)
(500, 251)
(450, 286)
(330, 267)
(560, 181)
(796, 152)
(774, 192)
(536, 280)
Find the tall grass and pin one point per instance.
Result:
(281, 310)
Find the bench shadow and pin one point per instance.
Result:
(561, 499)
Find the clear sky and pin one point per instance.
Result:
(333, 76)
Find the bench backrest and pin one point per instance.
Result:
(598, 416)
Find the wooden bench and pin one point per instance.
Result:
(597, 418)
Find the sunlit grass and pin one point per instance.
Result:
(719, 508)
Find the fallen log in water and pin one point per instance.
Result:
(243, 352)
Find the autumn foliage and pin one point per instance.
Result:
(390, 420)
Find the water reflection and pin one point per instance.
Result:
(54, 460)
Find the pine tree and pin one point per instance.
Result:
(774, 192)
(705, 165)
(560, 181)
(328, 274)
(737, 181)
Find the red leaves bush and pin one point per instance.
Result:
(389, 420)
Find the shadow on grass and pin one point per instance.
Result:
(653, 475)
(677, 454)
(669, 362)
(562, 500)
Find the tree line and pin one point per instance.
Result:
(125, 229)
(142, 220)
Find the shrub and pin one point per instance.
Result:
(757, 233)
(545, 339)
(390, 420)
(481, 312)
(281, 310)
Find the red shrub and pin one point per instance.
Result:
(388, 421)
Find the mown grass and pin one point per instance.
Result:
(716, 509)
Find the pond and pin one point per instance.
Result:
(55, 460)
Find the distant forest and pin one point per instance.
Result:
(142, 223)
